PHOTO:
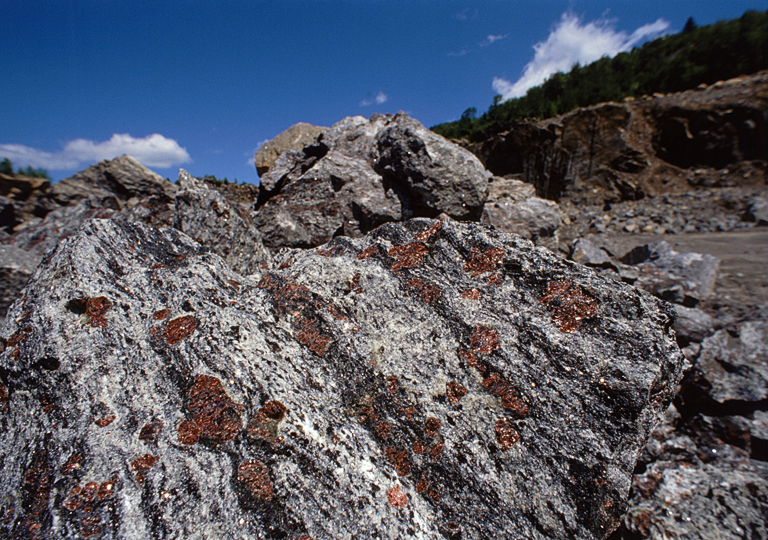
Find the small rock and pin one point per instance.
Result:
(757, 211)
(587, 253)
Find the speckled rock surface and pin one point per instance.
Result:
(205, 215)
(701, 477)
(431, 380)
(214, 217)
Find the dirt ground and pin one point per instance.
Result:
(741, 290)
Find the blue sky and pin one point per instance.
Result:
(201, 84)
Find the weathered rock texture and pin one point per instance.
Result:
(206, 215)
(431, 380)
(362, 173)
(295, 137)
(216, 216)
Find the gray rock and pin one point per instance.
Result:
(339, 195)
(509, 188)
(587, 253)
(759, 427)
(8, 215)
(24, 250)
(696, 480)
(682, 278)
(437, 175)
(205, 215)
(731, 372)
(699, 501)
(362, 173)
(123, 189)
(532, 218)
(434, 379)
(295, 137)
(15, 270)
(692, 325)
(122, 178)
(758, 211)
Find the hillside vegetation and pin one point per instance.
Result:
(6, 167)
(668, 64)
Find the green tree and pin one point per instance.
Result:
(6, 166)
(689, 25)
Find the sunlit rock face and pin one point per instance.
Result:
(432, 379)
(362, 173)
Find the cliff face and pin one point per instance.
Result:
(625, 151)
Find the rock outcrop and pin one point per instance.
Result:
(294, 138)
(433, 379)
(362, 173)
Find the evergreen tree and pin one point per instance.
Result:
(6, 166)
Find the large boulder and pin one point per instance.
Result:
(362, 173)
(295, 137)
(433, 379)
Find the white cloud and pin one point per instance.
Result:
(466, 14)
(492, 39)
(151, 151)
(572, 41)
(378, 99)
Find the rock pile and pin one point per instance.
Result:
(336, 354)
